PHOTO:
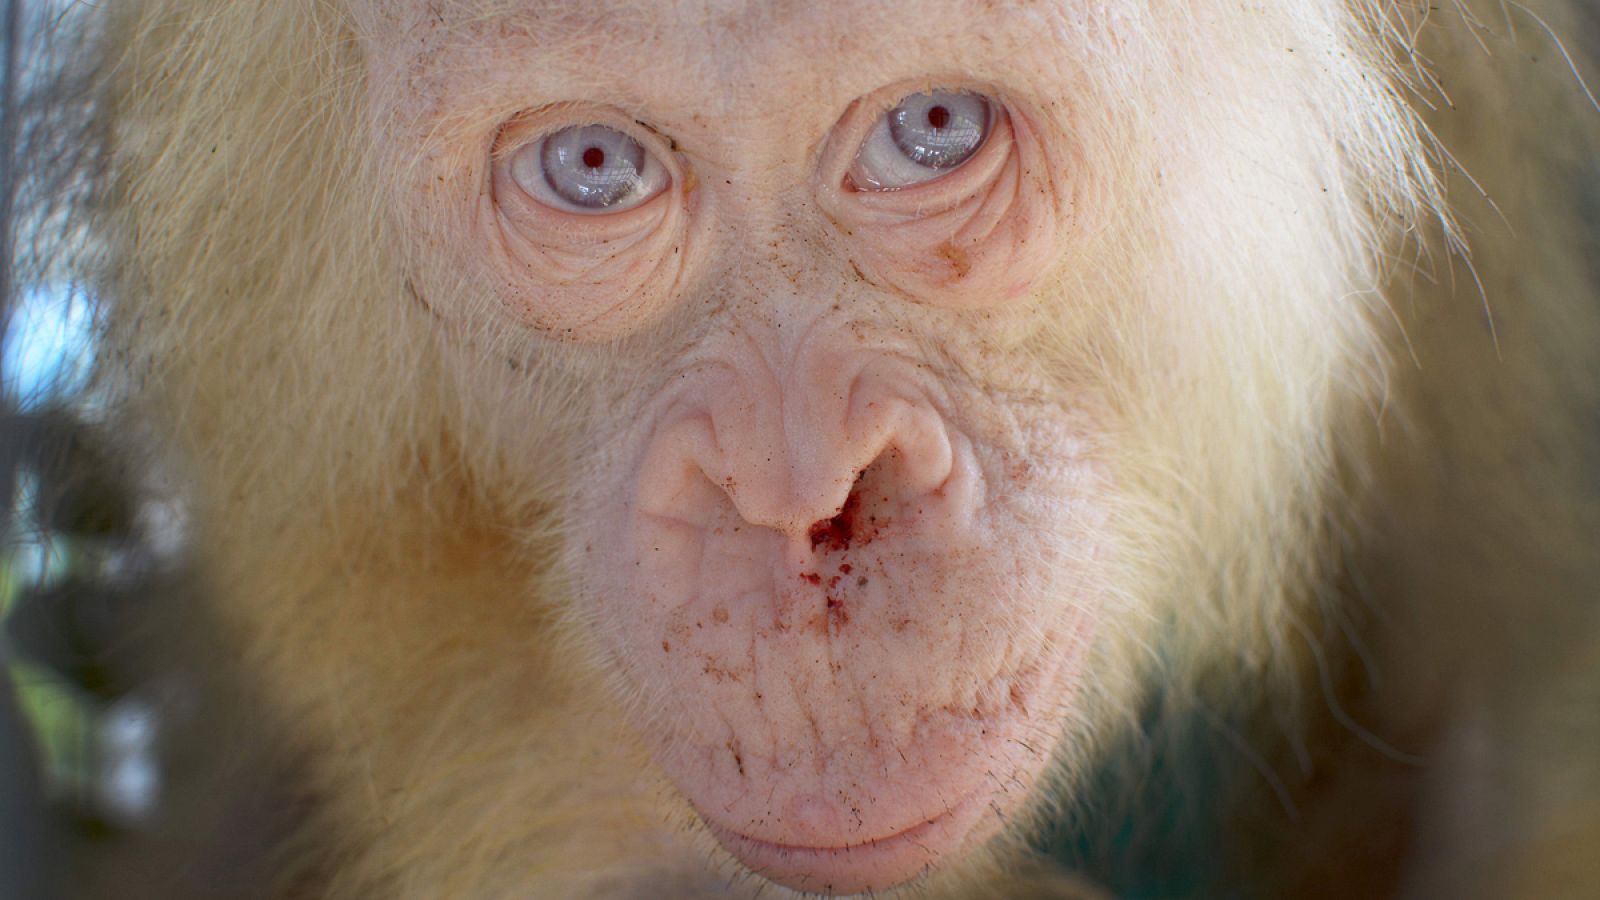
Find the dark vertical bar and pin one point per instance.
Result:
(8, 157)
(26, 826)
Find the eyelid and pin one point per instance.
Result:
(580, 276)
(531, 126)
(928, 197)
(883, 163)
(527, 166)
(977, 238)
(937, 195)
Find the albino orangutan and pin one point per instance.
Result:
(728, 449)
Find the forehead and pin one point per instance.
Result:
(709, 48)
(556, 23)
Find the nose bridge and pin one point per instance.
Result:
(804, 400)
(778, 251)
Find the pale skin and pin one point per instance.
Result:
(845, 701)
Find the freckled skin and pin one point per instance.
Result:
(824, 416)
(862, 706)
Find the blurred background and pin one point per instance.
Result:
(78, 728)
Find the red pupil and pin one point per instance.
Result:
(938, 117)
(594, 157)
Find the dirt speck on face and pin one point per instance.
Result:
(838, 615)
(956, 257)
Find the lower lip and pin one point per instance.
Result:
(871, 866)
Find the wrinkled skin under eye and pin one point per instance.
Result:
(588, 169)
(922, 138)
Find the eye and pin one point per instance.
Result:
(588, 169)
(922, 138)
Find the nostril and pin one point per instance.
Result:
(867, 511)
(837, 532)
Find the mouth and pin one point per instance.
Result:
(871, 865)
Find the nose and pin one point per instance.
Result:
(788, 449)
(792, 461)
